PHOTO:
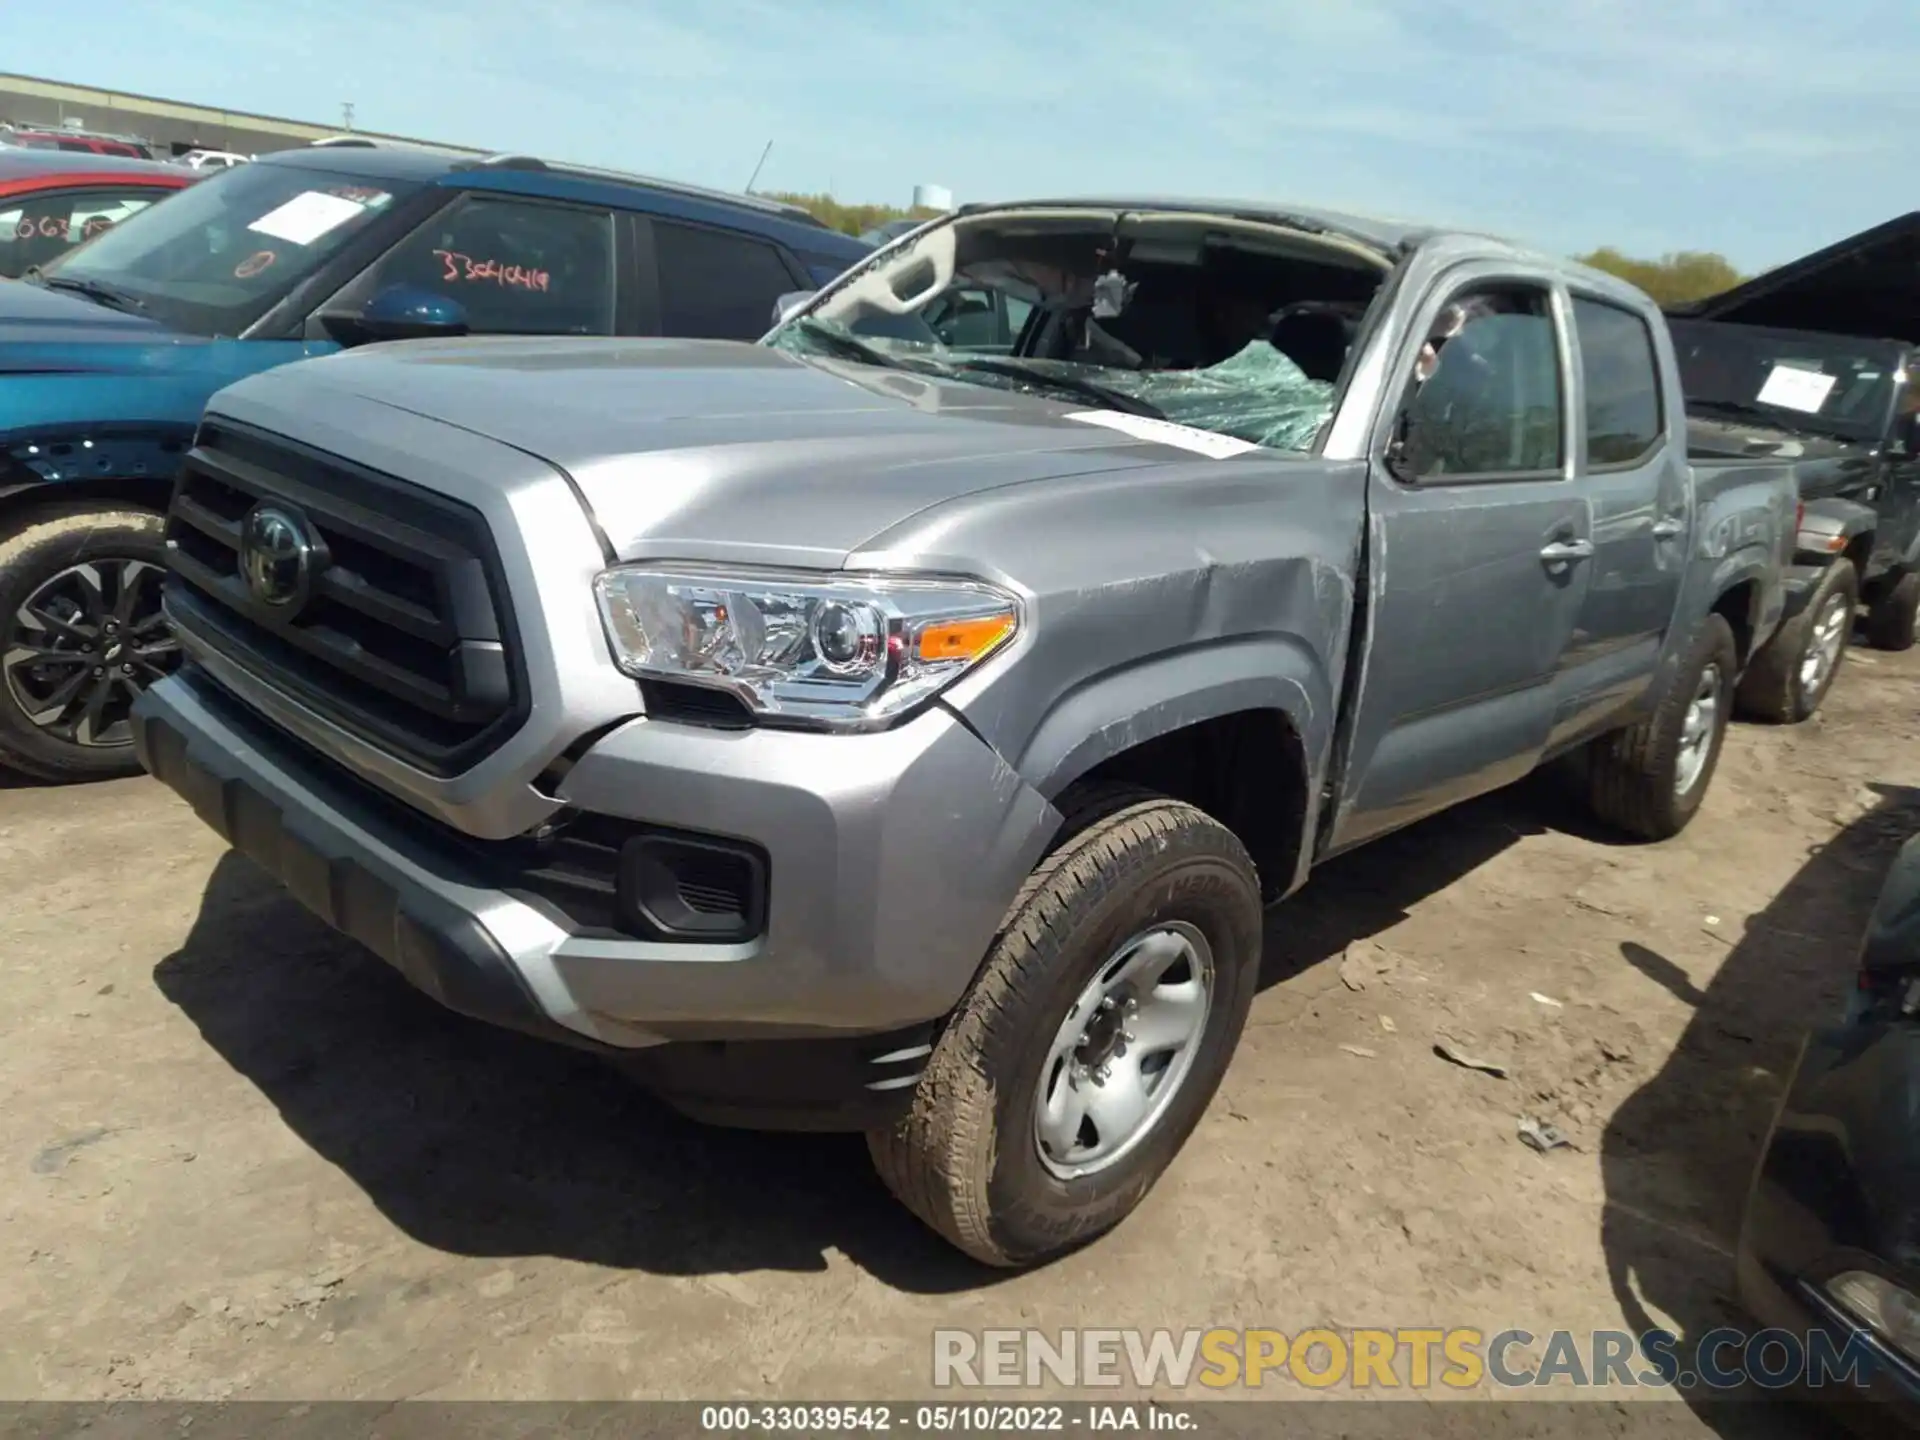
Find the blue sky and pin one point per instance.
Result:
(1760, 129)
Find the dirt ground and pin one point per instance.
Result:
(242, 1159)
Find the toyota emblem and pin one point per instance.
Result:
(278, 556)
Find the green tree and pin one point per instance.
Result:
(848, 219)
(1673, 279)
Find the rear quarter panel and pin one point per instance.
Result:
(1743, 535)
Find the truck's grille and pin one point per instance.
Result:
(398, 628)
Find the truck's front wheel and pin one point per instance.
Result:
(81, 635)
(1091, 1041)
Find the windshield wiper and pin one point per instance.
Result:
(846, 346)
(97, 291)
(1765, 415)
(1103, 395)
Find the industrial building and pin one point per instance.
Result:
(168, 127)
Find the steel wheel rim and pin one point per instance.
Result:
(82, 647)
(1697, 732)
(1124, 1051)
(1824, 645)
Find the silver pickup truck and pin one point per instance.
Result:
(871, 730)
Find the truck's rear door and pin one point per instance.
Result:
(1632, 471)
(1479, 552)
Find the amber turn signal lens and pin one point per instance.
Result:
(962, 639)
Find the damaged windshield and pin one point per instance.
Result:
(1216, 323)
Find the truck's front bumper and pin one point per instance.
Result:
(890, 861)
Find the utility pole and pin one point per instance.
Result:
(346, 116)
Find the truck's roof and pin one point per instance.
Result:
(1389, 235)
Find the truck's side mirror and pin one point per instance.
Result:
(789, 304)
(400, 312)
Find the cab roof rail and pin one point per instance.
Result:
(505, 160)
(373, 142)
(514, 160)
(694, 192)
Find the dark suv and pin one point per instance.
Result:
(112, 350)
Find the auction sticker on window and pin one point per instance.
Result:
(308, 216)
(1792, 388)
(1166, 432)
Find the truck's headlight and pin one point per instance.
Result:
(843, 651)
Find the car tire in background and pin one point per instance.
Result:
(1650, 778)
(81, 634)
(1892, 616)
(1791, 674)
(1051, 1102)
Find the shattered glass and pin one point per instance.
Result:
(1258, 395)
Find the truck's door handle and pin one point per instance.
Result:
(1667, 529)
(1563, 550)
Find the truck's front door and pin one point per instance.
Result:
(1632, 473)
(1479, 549)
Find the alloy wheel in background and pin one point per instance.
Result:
(78, 652)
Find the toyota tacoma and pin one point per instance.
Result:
(857, 730)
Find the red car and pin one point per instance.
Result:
(51, 200)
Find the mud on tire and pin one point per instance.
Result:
(1634, 776)
(54, 565)
(967, 1158)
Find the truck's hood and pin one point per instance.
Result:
(686, 444)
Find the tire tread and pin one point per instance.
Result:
(938, 1158)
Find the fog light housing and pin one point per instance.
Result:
(1892, 1313)
(683, 888)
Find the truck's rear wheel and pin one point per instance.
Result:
(1786, 681)
(81, 635)
(1650, 778)
(1091, 1041)
(1894, 613)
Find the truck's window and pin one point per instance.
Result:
(1622, 383)
(975, 319)
(42, 227)
(1485, 396)
(517, 267)
(717, 284)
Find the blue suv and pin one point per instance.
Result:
(109, 353)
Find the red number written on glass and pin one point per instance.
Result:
(463, 268)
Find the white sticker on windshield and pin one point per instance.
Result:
(1792, 388)
(308, 216)
(1166, 432)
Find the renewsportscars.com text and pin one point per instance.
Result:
(1420, 1358)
